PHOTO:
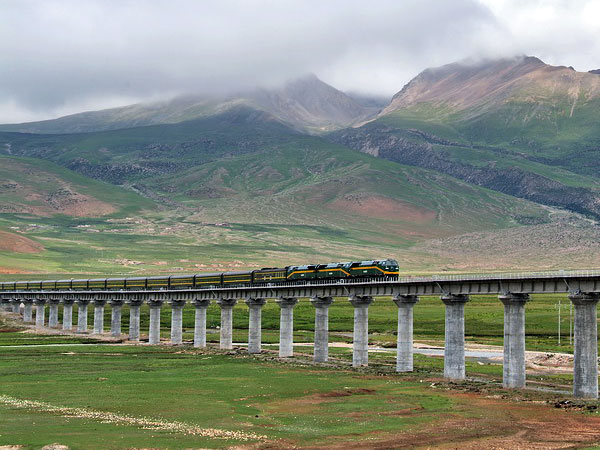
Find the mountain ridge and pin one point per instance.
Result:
(306, 104)
(461, 85)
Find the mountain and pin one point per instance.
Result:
(306, 104)
(520, 103)
(242, 186)
(471, 166)
(516, 125)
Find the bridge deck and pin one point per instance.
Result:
(471, 284)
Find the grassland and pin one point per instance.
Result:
(108, 397)
(92, 394)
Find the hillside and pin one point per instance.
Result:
(547, 113)
(238, 186)
(517, 126)
(306, 104)
(241, 188)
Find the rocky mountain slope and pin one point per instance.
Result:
(517, 126)
(306, 104)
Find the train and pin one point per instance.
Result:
(269, 276)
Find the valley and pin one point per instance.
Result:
(189, 185)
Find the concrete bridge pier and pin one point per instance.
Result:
(514, 340)
(585, 368)
(226, 338)
(321, 348)
(134, 318)
(116, 305)
(53, 312)
(67, 313)
(360, 336)
(404, 353)
(82, 314)
(286, 325)
(454, 350)
(255, 306)
(15, 305)
(40, 311)
(177, 306)
(200, 322)
(99, 304)
(154, 330)
(27, 310)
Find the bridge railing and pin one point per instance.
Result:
(500, 276)
(506, 276)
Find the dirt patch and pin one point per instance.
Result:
(10, 242)
(549, 362)
(309, 402)
(382, 207)
(6, 270)
(43, 193)
(491, 424)
(67, 201)
(346, 393)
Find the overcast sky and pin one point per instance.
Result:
(64, 56)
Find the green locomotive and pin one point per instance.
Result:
(373, 269)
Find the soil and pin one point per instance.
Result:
(501, 424)
(11, 242)
(49, 195)
(383, 207)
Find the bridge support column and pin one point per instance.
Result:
(585, 368)
(321, 350)
(40, 311)
(514, 340)
(53, 312)
(255, 323)
(200, 322)
(360, 336)
(286, 325)
(116, 305)
(99, 315)
(134, 318)
(67, 314)
(226, 338)
(154, 331)
(177, 306)
(15, 305)
(27, 310)
(82, 314)
(454, 350)
(404, 353)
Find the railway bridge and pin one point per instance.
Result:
(513, 290)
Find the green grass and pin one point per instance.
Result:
(209, 391)
(297, 403)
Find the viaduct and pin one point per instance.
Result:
(513, 290)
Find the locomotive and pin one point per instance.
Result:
(373, 269)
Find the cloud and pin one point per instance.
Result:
(60, 55)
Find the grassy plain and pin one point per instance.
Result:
(115, 396)
(99, 395)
